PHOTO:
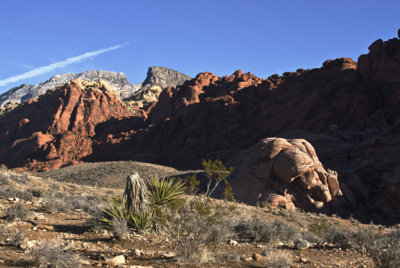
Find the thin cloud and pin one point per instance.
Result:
(57, 65)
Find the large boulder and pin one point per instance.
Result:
(284, 173)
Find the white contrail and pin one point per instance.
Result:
(57, 65)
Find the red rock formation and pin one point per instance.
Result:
(56, 129)
(212, 117)
(284, 173)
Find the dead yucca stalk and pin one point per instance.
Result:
(136, 196)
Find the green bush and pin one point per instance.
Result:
(216, 173)
(3, 168)
(194, 184)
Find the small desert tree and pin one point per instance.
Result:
(216, 173)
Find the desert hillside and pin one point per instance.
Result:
(46, 223)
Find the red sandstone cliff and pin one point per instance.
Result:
(56, 129)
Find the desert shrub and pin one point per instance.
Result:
(53, 254)
(194, 224)
(10, 192)
(310, 237)
(220, 232)
(16, 212)
(56, 201)
(216, 173)
(120, 228)
(384, 248)
(17, 239)
(3, 179)
(3, 168)
(355, 237)
(228, 192)
(190, 231)
(37, 192)
(277, 258)
(258, 230)
(23, 179)
(320, 228)
(26, 195)
(194, 184)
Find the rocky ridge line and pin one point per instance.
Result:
(156, 76)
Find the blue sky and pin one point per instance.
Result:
(259, 36)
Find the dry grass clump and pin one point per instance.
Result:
(277, 258)
(60, 202)
(17, 238)
(3, 179)
(14, 237)
(259, 230)
(120, 228)
(53, 254)
(382, 246)
(194, 224)
(10, 192)
(16, 212)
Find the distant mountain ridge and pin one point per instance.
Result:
(156, 75)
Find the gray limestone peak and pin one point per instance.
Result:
(159, 76)
(164, 77)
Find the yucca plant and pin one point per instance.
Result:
(117, 211)
(165, 190)
(140, 220)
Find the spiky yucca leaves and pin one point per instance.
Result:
(165, 190)
(118, 211)
(140, 220)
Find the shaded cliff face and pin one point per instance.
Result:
(56, 129)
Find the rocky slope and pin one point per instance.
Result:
(156, 76)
